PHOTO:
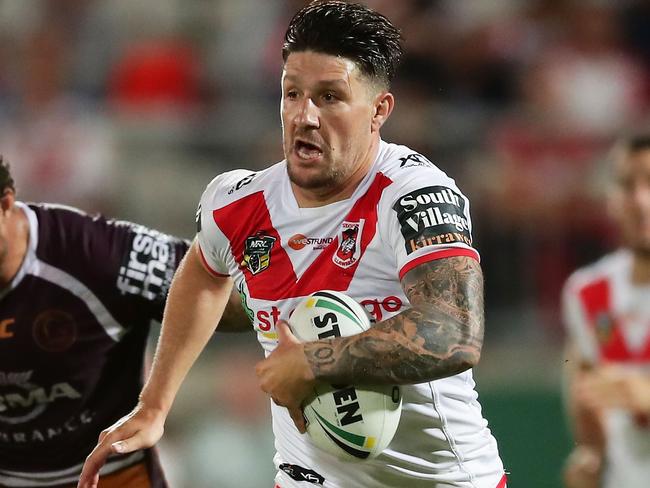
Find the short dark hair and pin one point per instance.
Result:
(636, 143)
(629, 145)
(6, 181)
(350, 30)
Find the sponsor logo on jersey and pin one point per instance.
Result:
(377, 307)
(299, 473)
(21, 400)
(349, 244)
(147, 268)
(5, 333)
(265, 320)
(257, 253)
(432, 215)
(54, 330)
(415, 159)
(241, 183)
(15, 377)
(300, 241)
(47, 433)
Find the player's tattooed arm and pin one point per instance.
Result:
(441, 335)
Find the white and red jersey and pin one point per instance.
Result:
(608, 319)
(405, 212)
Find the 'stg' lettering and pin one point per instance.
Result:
(263, 322)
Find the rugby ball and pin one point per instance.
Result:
(351, 423)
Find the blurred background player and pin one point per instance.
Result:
(77, 296)
(607, 314)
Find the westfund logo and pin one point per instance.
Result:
(430, 216)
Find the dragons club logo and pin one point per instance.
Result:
(349, 249)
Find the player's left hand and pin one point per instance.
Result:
(613, 387)
(286, 375)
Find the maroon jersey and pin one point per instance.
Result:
(73, 330)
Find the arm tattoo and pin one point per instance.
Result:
(441, 335)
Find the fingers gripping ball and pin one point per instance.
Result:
(351, 423)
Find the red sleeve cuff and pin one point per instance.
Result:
(432, 256)
(208, 267)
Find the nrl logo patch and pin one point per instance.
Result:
(349, 244)
(257, 253)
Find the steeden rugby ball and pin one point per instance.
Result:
(349, 422)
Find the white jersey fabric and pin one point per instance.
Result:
(405, 212)
(608, 318)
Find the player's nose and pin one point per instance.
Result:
(307, 115)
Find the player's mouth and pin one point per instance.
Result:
(307, 151)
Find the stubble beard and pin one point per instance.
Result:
(328, 178)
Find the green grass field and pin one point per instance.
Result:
(532, 433)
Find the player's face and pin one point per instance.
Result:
(631, 199)
(327, 111)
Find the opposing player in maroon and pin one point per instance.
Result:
(77, 296)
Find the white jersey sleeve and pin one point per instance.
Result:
(425, 217)
(213, 244)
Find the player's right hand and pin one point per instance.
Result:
(140, 429)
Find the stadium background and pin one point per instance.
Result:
(131, 107)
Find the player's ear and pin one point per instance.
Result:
(7, 200)
(383, 106)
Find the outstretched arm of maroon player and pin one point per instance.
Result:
(194, 306)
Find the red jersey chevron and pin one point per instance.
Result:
(280, 280)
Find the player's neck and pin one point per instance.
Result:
(320, 197)
(641, 269)
(15, 246)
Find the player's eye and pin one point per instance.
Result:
(291, 94)
(329, 97)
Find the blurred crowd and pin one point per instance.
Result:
(130, 108)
